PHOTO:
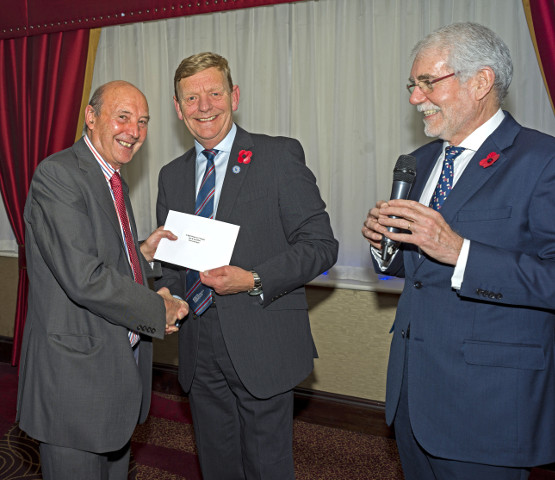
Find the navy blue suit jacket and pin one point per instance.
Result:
(481, 367)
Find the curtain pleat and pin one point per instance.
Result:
(540, 15)
(41, 84)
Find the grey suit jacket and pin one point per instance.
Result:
(285, 236)
(80, 385)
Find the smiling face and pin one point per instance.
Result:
(206, 106)
(119, 129)
(451, 112)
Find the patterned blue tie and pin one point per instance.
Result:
(198, 296)
(445, 182)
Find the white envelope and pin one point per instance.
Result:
(202, 243)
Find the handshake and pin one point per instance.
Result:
(176, 309)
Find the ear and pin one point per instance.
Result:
(177, 108)
(483, 82)
(235, 97)
(90, 116)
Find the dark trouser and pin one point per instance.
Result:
(420, 465)
(62, 463)
(238, 436)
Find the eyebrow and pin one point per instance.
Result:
(127, 112)
(425, 76)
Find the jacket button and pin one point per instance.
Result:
(499, 296)
(417, 285)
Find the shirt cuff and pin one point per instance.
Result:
(460, 267)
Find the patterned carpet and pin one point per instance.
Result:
(163, 448)
(321, 453)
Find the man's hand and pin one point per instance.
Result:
(369, 231)
(429, 231)
(149, 246)
(227, 280)
(175, 309)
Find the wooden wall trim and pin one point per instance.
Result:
(313, 406)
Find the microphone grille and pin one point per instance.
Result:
(405, 169)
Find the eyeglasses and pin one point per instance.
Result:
(427, 86)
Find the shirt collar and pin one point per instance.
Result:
(224, 146)
(106, 168)
(475, 140)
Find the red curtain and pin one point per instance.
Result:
(541, 21)
(41, 84)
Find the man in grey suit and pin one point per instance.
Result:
(240, 358)
(86, 361)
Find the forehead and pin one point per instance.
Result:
(208, 79)
(430, 63)
(125, 99)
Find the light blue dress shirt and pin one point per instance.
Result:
(220, 163)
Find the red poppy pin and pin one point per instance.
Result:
(245, 156)
(489, 160)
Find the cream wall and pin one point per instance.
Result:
(351, 332)
(350, 328)
(8, 294)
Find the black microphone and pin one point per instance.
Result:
(404, 175)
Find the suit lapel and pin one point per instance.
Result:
(95, 178)
(235, 174)
(474, 176)
(423, 171)
(183, 190)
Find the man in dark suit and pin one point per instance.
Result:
(240, 358)
(86, 361)
(471, 377)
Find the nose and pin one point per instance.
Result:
(133, 129)
(417, 96)
(204, 103)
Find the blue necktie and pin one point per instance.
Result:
(445, 182)
(198, 296)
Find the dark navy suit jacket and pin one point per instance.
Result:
(481, 367)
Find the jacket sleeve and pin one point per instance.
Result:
(59, 220)
(312, 248)
(522, 275)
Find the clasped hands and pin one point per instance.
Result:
(176, 309)
(428, 229)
